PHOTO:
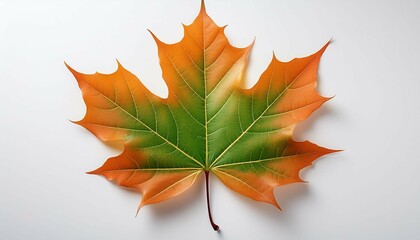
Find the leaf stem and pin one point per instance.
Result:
(215, 226)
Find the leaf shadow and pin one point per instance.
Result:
(308, 124)
(287, 197)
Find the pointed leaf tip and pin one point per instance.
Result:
(276, 205)
(203, 6)
(157, 40)
(322, 50)
(138, 210)
(79, 122)
(93, 172)
(70, 68)
(253, 41)
(273, 56)
(119, 65)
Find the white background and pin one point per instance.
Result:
(369, 191)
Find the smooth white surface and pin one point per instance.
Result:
(369, 191)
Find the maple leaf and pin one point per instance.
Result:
(208, 123)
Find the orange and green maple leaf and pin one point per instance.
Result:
(208, 123)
